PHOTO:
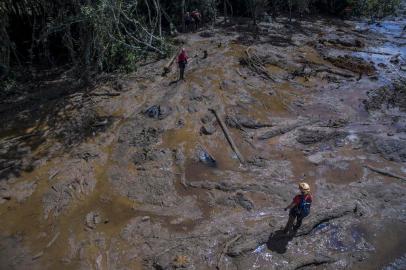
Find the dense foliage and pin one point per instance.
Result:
(106, 35)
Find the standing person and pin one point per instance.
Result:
(188, 21)
(197, 17)
(299, 208)
(182, 62)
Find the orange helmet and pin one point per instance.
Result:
(304, 187)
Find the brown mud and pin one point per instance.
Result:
(95, 183)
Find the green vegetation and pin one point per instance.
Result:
(92, 36)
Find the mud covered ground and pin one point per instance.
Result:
(92, 181)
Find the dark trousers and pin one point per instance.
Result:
(182, 67)
(294, 214)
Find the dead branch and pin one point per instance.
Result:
(255, 63)
(385, 173)
(225, 249)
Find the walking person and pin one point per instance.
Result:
(299, 208)
(182, 62)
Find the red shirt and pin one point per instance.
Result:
(182, 57)
(297, 199)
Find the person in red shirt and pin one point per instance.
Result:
(299, 208)
(182, 62)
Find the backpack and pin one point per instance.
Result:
(304, 206)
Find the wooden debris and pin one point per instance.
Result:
(225, 249)
(53, 240)
(228, 136)
(37, 256)
(254, 63)
(385, 173)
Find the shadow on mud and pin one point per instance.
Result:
(278, 241)
(35, 120)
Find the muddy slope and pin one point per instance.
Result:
(153, 183)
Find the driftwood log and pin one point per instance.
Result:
(228, 136)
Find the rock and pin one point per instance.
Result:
(92, 219)
(19, 192)
(316, 158)
(158, 111)
(243, 201)
(145, 218)
(387, 96)
(206, 158)
(395, 59)
(389, 148)
(208, 129)
(207, 118)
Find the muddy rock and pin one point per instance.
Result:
(312, 136)
(244, 201)
(388, 96)
(389, 148)
(208, 129)
(92, 219)
(19, 192)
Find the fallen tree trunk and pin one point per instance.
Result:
(167, 67)
(228, 137)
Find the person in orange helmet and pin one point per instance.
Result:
(299, 208)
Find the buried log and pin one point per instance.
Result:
(228, 136)
(385, 173)
(276, 131)
(302, 262)
(252, 241)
